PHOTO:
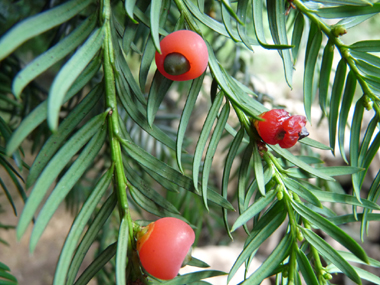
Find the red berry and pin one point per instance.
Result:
(294, 129)
(271, 130)
(163, 246)
(183, 56)
(281, 128)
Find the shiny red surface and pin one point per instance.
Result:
(292, 128)
(280, 128)
(191, 46)
(270, 129)
(164, 250)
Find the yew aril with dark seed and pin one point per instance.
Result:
(184, 56)
(279, 127)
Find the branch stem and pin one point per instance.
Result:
(318, 264)
(188, 17)
(343, 49)
(113, 123)
(246, 123)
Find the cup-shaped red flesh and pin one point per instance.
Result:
(271, 129)
(292, 128)
(191, 46)
(163, 248)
